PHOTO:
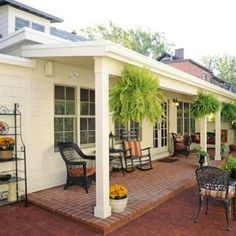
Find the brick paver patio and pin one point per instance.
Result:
(147, 189)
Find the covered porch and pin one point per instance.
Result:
(147, 189)
(98, 66)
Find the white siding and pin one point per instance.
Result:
(4, 21)
(13, 13)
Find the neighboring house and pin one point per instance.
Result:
(194, 68)
(54, 80)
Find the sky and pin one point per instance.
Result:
(201, 27)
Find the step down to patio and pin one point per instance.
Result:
(147, 190)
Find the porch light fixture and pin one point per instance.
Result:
(176, 102)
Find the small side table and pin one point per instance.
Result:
(116, 155)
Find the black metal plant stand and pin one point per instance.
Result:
(16, 166)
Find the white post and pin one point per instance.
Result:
(203, 133)
(102, 209)
(218, 135)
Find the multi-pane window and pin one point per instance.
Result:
(20, 23)
(185, 122)
(64, 114)
(38, 27)
(130, 126)
(87, 117)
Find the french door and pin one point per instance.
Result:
(160, 131)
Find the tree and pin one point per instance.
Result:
(147, 43)
(223, 66)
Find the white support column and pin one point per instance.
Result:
(203, 133)
(218, 135)
(102, 209)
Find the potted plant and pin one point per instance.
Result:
(202, 155)
(118, 198)
(224, 151)
(205, 104)
(136, 96)
(230, 166)
(6, 148)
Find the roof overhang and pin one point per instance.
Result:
(117, 52)
(31, 10)
(28, 35)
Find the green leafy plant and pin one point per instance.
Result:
(136, 96)
(201, 152)
(228, 112)
(229, 165)
(205, 104)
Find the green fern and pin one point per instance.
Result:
(205, 105)
(136, 96)
(228, 112)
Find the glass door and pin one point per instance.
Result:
(160, 130)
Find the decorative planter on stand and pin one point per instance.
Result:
(118, 205)
(6, 155)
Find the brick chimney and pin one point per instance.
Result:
(179, 53)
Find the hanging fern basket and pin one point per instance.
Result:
(205, 104)
(136, 96)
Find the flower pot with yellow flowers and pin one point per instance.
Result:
(6, 148)
(118, 198)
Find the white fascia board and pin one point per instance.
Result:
(30, 35)
(117, 52)
(17, 61)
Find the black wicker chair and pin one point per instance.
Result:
(213, 183)
(80, 167)
(133, 154)
(181, 144)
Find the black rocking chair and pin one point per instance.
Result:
(213, 183)
(181, 144)
(133, 154)
(80, 167)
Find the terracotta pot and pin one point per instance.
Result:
(118, 205)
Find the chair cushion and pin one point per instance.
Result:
(78, 171)
(180, 146)
(180, 139)
(135, 147)
(216, 193)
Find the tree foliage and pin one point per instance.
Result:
(136, 96)
(223, 66)
(205, 104)
(147, 43)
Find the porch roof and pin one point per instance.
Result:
(68, 52)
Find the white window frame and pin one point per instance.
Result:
(63, 116)
(87, 145)
(181, 129)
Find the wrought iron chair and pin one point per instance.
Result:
(213, 183)
(181, 144)
(80, 167)
(133, 154)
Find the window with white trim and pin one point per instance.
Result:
(185, 122)
(87, 117)
(38, 27)
(130, 126)
(20, 23)
(65, 118)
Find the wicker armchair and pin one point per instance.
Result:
(133, 154)
(213, 183)
(80, 167)
(181, 144)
